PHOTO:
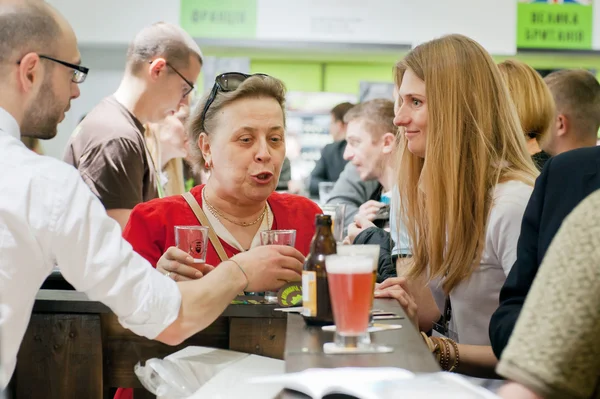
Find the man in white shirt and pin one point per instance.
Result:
(49, 216)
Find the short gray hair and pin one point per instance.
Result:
(577, 94)
(29, 26)
(378, 114)
(162, 40)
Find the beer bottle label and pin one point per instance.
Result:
(309, 293)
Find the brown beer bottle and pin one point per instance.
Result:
(315, 288)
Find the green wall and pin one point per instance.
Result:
(297, 76)
(344, 77)
(341, 72)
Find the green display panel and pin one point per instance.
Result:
(219, 19)
(555, 25)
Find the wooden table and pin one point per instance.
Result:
(75, 348)
(304, 347)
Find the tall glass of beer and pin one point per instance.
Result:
(351, 286)
(369, 250)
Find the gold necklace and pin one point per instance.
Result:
(219, 215)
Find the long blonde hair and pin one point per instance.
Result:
(474, 142)
(173, 169)
(531, 96)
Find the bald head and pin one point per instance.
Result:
(37, 86)
(162, 40)
(27, 26)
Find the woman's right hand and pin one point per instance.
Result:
(396, 287)
(180, 266)
(268, 267)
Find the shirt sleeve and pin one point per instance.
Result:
(93, 257)
(554, 349)
(397, 228)
(505, 226)
(114, 172)
(521, 275)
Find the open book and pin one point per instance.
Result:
(378, 383)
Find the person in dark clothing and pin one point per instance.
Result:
(286, 174)
(332, 162)
(329, 167)
(386, 265)
(394, 244)
(534, 103)
(540, 158)
(565, 181)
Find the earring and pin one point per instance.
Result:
(207, 165)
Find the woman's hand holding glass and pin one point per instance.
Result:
(180, 266)
(397, 288)
(269, 267)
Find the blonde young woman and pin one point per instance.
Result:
(534, 103)
(167, 143)
(464, 178)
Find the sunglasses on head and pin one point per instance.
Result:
(225, 82)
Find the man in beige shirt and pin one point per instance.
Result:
(108, 146)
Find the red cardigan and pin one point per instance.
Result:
(150, 229)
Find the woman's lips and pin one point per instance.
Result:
(263, 177)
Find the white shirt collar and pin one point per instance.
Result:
(8, 124)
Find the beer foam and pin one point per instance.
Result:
(344, 264)
(359, 250)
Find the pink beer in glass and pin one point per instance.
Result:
(351, 285)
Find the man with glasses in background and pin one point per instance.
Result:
(108, 146)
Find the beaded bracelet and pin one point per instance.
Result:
(456, 357)
(444, 354)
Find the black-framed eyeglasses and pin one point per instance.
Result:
(184, 79)
(225, 82)
(79, 72)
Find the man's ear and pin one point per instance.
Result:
(389, 143)
(562, 125)
(157, 67)
(29, 72)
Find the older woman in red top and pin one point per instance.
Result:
(238, 132)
